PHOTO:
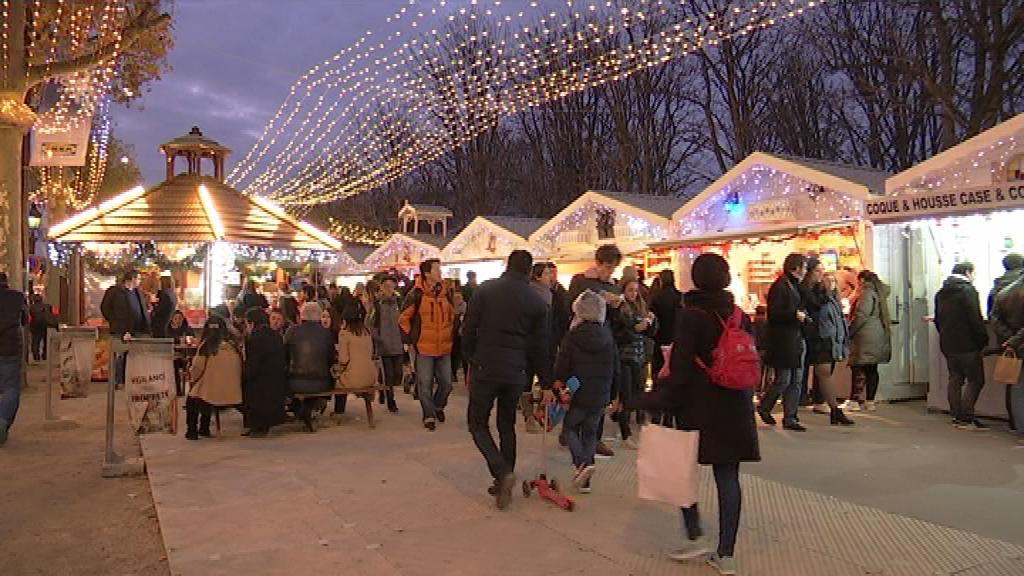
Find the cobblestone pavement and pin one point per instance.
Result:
(398, 500)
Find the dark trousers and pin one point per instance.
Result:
(631, 386)
(964, 367)
(482, 397)
(865, 382)
(392, 370)
(730, 500)
(39, 344)
(581, 433)
(197, 415)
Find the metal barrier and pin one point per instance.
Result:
(54, 342)
(115, 465)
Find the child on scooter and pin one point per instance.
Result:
(587, 353)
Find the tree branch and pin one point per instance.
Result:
(39, 72)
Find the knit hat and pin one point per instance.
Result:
(589, 307)
(710, 272)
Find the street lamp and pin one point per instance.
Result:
(35, 218)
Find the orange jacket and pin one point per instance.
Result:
(428, 319)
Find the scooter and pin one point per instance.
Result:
(547, 489)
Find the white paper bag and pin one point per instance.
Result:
(666, 465)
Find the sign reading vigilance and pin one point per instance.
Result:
(935, 203)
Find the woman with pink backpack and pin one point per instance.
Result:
(714, 369)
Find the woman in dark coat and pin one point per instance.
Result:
(828, 340)
(724, 417)
(166, 303)
(785, 343)
(265, 380)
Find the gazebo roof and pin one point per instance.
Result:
(194, 140)
(192, 209)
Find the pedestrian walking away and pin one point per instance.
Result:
(1008, 324)
(428, 324)
(786, 349)
(963, 337)
(505, 339)
(870, 339)
(587, 353)
(41, 319)
(13, 317)
(723, 416)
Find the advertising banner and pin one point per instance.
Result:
(149, 387)
(939, 203)
(62, 148)
(76, 363)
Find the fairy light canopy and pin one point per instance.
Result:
(490, 237)
(442, 73)
(766, 191)
(600, 217)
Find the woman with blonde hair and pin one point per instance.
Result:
(216, 377)
(633, 325)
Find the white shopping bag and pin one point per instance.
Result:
(666, 465)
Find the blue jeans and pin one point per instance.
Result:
(581, 425)
(430, 369)
(10, 388)
(786, 385)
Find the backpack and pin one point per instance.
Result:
(735, 363)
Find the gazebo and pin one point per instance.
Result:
(196, 218)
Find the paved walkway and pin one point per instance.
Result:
(400, 501)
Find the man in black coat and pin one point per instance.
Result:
(125, 312)
(664, 305)
(962, 338)
(786, 349)
(266, 375)
(13, 317)
(1014, 266)
(505, 338)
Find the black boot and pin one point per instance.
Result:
(837, 418)
(390, 396)
(380, 397)
(205, 413)
(191, 418)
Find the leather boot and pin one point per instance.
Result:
(205, 413)
(837, 418)
(390, 396)
(191, 418)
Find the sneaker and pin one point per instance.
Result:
(766, 417)
(869, 406)
(821, 409)
(603, 451)
(690, 550)
(976, 425)
(581, 479)
(630, 444)
(430, 424)
(504, 495)
(850, 406)
(724, 564)
(961, 425)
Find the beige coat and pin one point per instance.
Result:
(217, 379)
(355, 358)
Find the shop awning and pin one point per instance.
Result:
(192, 209)
(766, 232)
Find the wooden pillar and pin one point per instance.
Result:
(76, 302)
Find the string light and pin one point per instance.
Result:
(355, 233)
(400, 250)
(579, 226)
(357, 125)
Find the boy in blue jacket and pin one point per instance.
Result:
(587, 353)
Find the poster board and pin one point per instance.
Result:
(77, 349)
(150, 389)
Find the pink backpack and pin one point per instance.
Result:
(735, 363)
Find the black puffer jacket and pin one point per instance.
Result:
(311, 352)
(958, 317)
(724, 417)
(506, 330)
(1008, 316)
(588, 353)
